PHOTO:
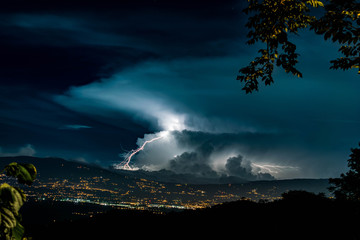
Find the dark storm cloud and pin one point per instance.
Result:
(175, 25)
(196, 162)
(250, 155)
(209, 9)
(54, 68)
(201, 163)
(56, 45)
(234, 167)
(192, 163)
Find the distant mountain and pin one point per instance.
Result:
(63, 180)
(172, 177)
(58, 168)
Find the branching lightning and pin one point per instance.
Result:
(126, 163)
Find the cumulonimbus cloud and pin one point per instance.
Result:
(212, 155)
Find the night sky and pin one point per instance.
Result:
(89, 80)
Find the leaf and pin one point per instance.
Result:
(11, 198)
(8, 219)
(18, 231)
(327, 35)
(12, 229)
(25, 173)
(315, 3)
(31, 169)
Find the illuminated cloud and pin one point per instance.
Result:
(118, 96)
(27, 150)
(75, 127)
(189, 101)
(213, 155)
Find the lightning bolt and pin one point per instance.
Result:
(126, 163)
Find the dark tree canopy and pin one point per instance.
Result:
(347, 187)
(272, 22)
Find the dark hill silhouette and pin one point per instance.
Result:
(52, 167)
(306, 216)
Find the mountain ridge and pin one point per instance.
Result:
(163, 175)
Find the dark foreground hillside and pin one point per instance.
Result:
(300, 215)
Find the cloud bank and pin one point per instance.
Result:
(27, 150)
(75, 127)
(145, 94)
(214, 155)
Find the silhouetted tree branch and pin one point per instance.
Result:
(347, 187)
(272, 21)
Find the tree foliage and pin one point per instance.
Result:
(272, 22)
(12, 199)
(347, 187)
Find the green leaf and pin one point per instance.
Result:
(25, 173)
(18, 231)
(315, 3)
(11, 198)
(12, 229)
(8, 220)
